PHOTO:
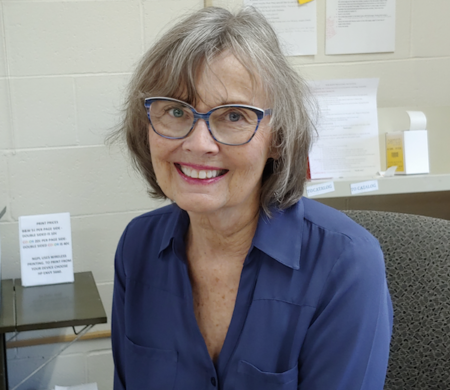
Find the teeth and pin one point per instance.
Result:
(203, 174)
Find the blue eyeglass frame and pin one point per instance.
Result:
(260, 113)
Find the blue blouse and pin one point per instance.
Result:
(312, 311)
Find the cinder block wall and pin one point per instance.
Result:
(63, 69)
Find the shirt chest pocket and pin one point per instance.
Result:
(149, 368)
(250, 377)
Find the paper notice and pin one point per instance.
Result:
(348, 142)
(294, 23)
(360, 26)
(45, 249)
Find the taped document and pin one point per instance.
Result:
(360, 26)
(348, 141)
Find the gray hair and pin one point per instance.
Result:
(169, 69)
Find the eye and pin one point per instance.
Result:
(234, 116)
(176, 112)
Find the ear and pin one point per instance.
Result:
(274, 153)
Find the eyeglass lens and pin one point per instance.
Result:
(231, 125)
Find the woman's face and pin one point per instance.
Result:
(180, 164)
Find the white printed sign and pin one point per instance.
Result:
(46, 249)
(320, 189)
(360, 26)
(348, 142)
(364, 186)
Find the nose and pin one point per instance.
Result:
(200, 140)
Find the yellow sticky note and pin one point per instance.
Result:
(304, 1)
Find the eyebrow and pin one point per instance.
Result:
(224, 103)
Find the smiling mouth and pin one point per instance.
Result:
(200, 174)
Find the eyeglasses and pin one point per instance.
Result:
(230, 124)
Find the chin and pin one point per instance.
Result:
(198, 204)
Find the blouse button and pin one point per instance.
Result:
(213, 381)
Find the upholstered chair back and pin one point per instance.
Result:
(417, 255)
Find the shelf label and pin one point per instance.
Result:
(364, 186)
(320, 189)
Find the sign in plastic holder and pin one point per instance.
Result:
(46, 249)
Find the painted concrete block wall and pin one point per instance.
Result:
(63, 69)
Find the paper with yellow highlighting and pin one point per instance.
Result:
(295, 24)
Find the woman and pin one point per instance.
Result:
(240, 283)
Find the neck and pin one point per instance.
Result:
(227, 235)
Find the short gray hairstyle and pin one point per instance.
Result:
(169, 69)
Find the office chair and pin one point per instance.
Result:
(417, 255)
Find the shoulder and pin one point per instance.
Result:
(150, 229)
(308, 232)
(146, 236)
(339, 243)
(334, 222)
(152, 220)
(341, 257)
(319, 251)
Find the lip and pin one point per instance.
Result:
(191, 180)
(201, 167)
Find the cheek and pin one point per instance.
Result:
(251, 164)
(160, 149)
(261, 152)
(161, 165)
(264, 136)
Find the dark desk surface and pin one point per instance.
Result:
(59, 305)
(431, 204)
(7, 320)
